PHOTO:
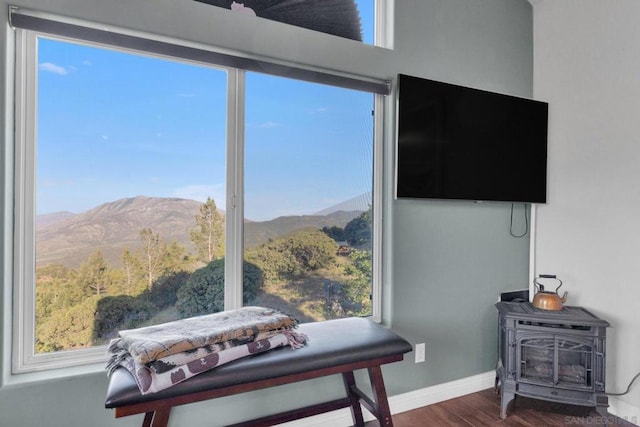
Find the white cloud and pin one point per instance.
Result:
(53, 68)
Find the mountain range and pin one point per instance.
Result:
(68, 239)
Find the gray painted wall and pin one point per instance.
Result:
(445, 262)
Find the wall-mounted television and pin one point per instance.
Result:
(456, 142)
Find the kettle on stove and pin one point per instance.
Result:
(547, 300)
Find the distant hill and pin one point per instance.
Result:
(356, 204)
(260, 232)
(113, 226)
(68, 239)
(48, 219)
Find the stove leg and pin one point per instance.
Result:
(508, 394)
(602, 403)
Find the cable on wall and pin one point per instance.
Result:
(526, 222)
(628, 387)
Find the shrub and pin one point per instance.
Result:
(120, 312)
(203, 292)
(164, 292)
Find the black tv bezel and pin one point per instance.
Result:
(539, 196)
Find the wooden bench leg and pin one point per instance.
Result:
(159, 418)
(148, 417)
(378, 406)
(354, 398)
(380, 396)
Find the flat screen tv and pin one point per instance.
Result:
(456, 142)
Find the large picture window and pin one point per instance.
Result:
(140, 199)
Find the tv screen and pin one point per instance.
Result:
(456, 142)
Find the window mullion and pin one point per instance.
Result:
(235, 188)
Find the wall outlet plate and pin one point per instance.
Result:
(420, 349)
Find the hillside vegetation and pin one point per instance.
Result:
(296, 269)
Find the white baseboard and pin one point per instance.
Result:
(406, 401)
(439, 393)
(624, 410)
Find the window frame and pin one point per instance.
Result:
(24, 358)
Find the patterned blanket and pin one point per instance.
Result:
(163, 355)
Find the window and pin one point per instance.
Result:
(133, 172)
(352, 19)
(308, 187)
(124, 163)
(128, 163)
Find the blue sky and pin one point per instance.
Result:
(113, 125)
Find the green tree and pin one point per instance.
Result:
(353, 296)
(69, 328)
(133, 272)
(312, 249)
(93, 275)
(164, 292)
(358, 231)
(203, 292)
(274, 260)
(291, 257)
(55, 290)
(359, 284)
(175, 259)
(153, 250)
(113, 313)
(208, 238)
(335, 232)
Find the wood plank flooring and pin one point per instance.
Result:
(483, 409)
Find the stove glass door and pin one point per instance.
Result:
(556, 360)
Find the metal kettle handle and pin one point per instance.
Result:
(546, 276)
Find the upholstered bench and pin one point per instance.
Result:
(338, 346)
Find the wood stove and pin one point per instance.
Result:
(557, 356)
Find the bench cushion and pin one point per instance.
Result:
(331, 343)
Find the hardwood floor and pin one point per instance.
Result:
(483, 409)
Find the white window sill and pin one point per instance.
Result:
(12, 380)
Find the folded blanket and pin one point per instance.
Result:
(163, 355)
(119, 354)
(158, 341)
(150, 381)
